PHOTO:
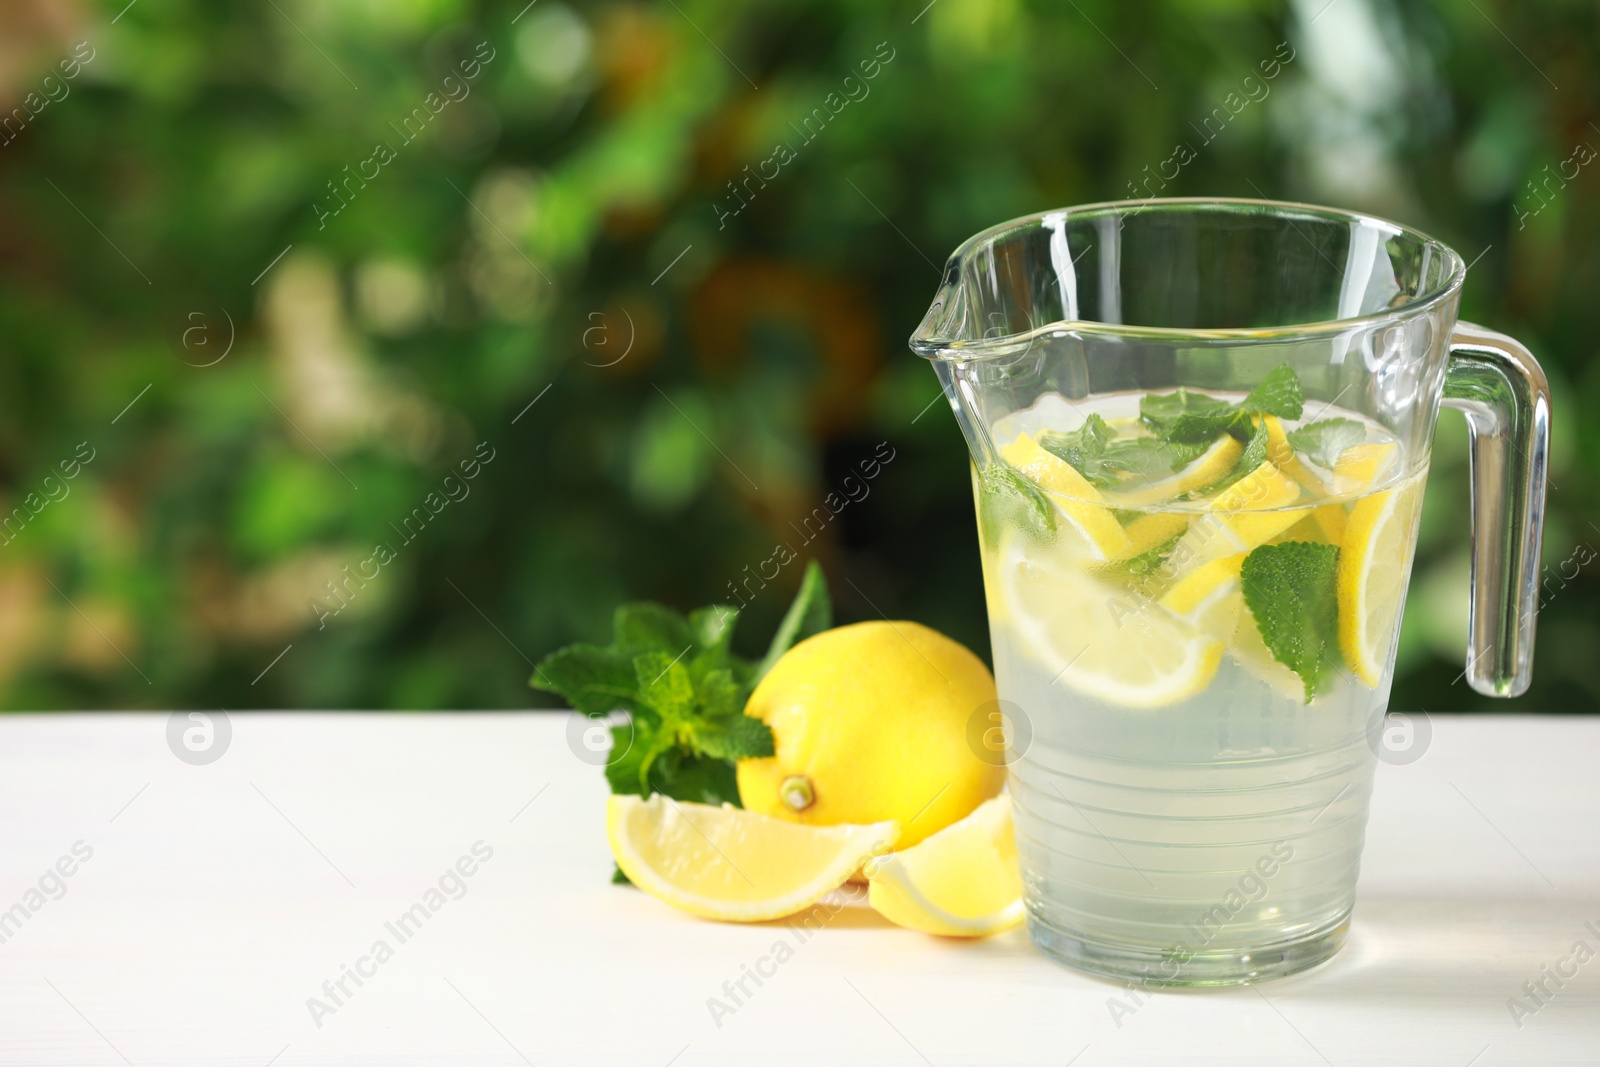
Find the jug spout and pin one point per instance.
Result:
(942, 327)
(967, 349)
(937, 338)
(961, 390)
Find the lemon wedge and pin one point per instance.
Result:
(1249, 513)
(1079, 505)
(1329, 518)
(1360, 467)
(1374, 562)
(1207, 469)
(1262, 489)
(1284, 457)
(1251, 652)
(960, 882)
(1099, 639)
(735, 865)
(1155, 528)
(1209, 597)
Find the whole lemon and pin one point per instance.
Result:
(869, 722)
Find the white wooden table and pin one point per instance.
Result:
(216, 900)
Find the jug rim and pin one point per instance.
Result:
(931, 347)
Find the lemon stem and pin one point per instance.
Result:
(796, 792)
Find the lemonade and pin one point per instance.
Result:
(1193, 600)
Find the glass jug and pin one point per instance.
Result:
(1200, 431)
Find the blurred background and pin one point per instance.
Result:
(355, 353)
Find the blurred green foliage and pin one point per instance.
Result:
(561, 234)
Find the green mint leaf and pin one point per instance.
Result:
(700, 780)
(1134, 461)
(704, 719)
(1156, 410)
(684, 691)
(647, 627)
(1184, 415)
(1146, 563)
(1095, 433)
(1151, 457)
(1183, 453)
(664, 683)
(633, 746)
(1255, 449)
(1323, 440)
(1279, 394)
(1009, 501)
(735, 737)
(1253, 456)
(1082, 448)
(593, 680)
(720, 695)
(1290, 589)
(640, 756)
(711, 629)
(810, 613)
(617, 877)
(1144, 456)
(1204, 428)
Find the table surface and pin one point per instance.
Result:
(207, 905)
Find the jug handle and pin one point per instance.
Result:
(1497, 384)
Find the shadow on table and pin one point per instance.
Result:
(1455, 949)
(854, 915)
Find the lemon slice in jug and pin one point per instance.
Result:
(1097, 638)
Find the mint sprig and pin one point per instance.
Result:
(1255, 449)
(1184, 415)
(1084, 448)
(683, 690)
(1106, 462)
(1291, 591)
(1009, 501)
(1279, 394)
(1183, 424)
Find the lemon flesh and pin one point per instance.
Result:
(1251, 653)
(1079, 505)
(1209, 597)
(1360, 467)
(961, 882)
(1286, 459)
(1100, 639)
(733, 865)
(869, 723)
(1329, 517)
(1154, 528)
(1262, 489)
(1374, 561)
(1244, 516)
